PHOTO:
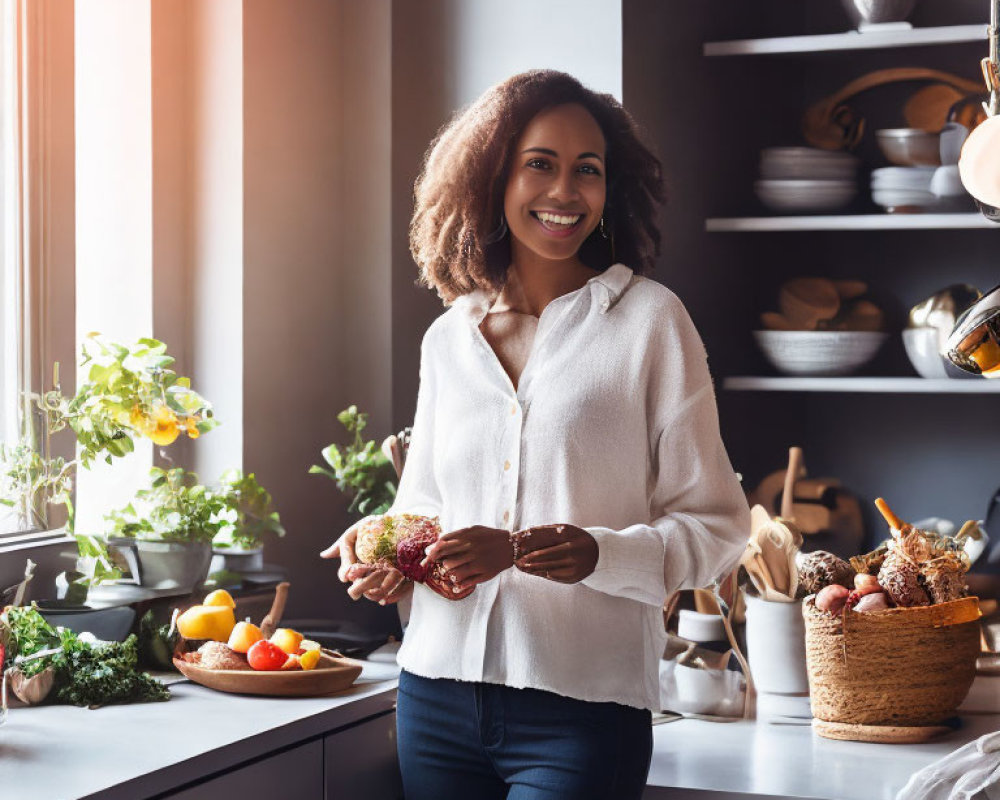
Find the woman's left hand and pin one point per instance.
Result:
(473, 555)
(563, 553)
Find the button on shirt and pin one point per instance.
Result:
(613, 428)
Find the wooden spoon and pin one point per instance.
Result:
(270, 622)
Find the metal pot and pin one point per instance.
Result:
(974, 343)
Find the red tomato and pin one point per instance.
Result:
(265, 655)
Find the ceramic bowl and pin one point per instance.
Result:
(805, 195)
(806, 163)
(819, 352)
(910, 147)
(108, 624)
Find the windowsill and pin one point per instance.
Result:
(13, 542)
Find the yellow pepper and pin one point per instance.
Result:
(207, 622)
(220, 597)
(309, 659)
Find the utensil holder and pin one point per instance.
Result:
(777, 655)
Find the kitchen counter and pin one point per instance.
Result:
(732, 760)
(141, 750)
(205, 744)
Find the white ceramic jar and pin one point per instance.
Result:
(776, 645)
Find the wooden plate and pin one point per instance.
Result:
(332, 674)
(883, 734)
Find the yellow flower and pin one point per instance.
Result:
(164, 429)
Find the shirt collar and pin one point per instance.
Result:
(612, 283)
(614, 280)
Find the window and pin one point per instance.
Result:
(11, 241)
(33, 182)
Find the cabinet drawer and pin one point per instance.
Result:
(294, 773)
(361, 762)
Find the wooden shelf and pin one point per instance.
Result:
(848, 222)
(866, 385)
(850, 40)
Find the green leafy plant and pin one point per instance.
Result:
(129, 392)
(176, 508)
(85, 674)
(361, 469)
(248, 512)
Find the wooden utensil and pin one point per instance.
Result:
(770, 555)
(821, 506)
(270, 622)
(928, 107)
(806, 301)
(773, 321)
(830, 125)
(848, 289)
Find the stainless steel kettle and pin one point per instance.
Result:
(974, 343)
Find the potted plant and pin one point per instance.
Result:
(361, 470)
(165, 534)
(248, 516)
(129, 392)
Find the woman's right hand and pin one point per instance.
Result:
(381, 584)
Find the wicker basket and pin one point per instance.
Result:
(902, 666)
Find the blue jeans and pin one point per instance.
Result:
(480, 741)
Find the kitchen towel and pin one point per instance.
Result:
(960, 775)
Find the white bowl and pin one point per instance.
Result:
(947, 182)
(918, 178)
(819, 352)
(805, 195)
(902, 199)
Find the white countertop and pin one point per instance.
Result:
(138, 750)
(758, 758)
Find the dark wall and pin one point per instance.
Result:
(709, 118)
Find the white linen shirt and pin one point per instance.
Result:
(613, 428)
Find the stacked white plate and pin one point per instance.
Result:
(903, 188)
(806, 179)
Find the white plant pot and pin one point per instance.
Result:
(236, 560)
(165, 565)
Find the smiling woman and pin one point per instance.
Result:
(566, 437)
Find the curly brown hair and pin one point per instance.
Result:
(459, 193)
